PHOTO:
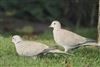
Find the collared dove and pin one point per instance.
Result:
(31, 48)
(68, 39)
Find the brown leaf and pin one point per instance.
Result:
(68, 65)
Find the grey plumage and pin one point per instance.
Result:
(30, 48)
(66, 38)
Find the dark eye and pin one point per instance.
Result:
(54, 23)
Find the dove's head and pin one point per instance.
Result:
(16, 39)
(55, 24)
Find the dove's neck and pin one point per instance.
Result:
(57, 28)
(17, 44)
(18, 41)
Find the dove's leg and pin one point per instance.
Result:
(66, 48)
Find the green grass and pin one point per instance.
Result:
(86, 56)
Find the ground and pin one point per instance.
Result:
(86, 56)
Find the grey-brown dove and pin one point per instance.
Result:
(68, 39)
(31, 48)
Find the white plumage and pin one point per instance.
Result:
(66, 38)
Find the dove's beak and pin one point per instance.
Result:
(50, 25)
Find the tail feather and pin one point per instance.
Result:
(48, 49)
(90, 42)
(52, 50)
(56, 51)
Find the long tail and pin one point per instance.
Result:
(90, 42)
(48, 49)
(56, 51)
(53, 50)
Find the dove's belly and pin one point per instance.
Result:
(62, 43)
(27, 52)
(67, 43)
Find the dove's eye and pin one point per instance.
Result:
(54, 23)
(12, 38)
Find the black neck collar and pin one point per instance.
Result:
(18, 42)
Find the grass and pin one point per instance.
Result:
(86, 56)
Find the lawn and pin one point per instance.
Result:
(86, 56)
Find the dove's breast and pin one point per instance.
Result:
(20, 49)
(59, 37)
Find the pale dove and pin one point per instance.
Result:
(31, 48)
(66, 38)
